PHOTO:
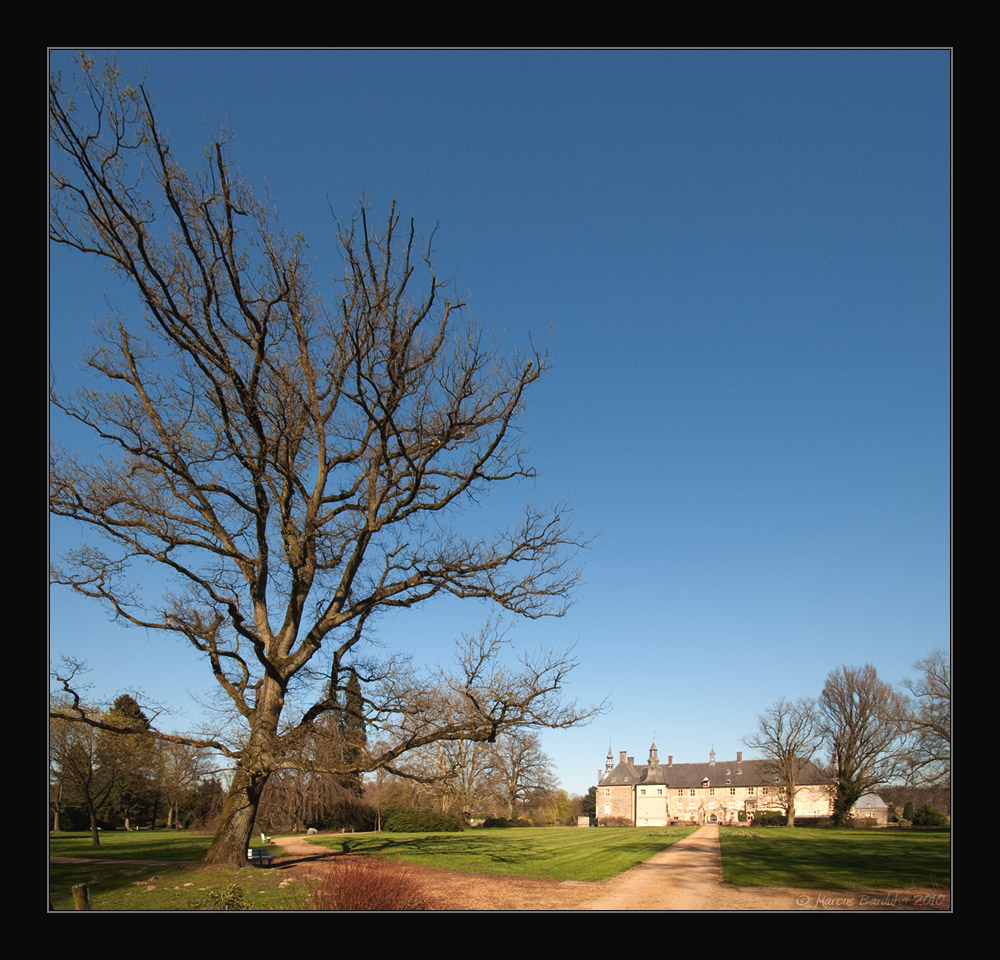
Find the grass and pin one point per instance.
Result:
(836, 859)
(182, 883)
(558, 853)
(819, 859)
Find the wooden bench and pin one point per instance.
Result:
(258, 855)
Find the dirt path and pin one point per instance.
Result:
(685, 876)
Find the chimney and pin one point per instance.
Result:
(631, 761)
(739, 756)
(621, 757)
(670, 760)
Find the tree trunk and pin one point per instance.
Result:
(94, 834)
(239, 812)
(56, 805)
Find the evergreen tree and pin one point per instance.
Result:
(129, 758)
(351, 723)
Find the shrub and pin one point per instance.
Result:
(860, 823)
(929, 817)
(614, 822)
(420, 821)
(232, 898)
(367, 884)
(504, 822)
(770, 818)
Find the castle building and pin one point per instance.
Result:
(658, 794)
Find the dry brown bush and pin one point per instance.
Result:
(368, 884)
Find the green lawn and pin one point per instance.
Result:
(812, 858)
(835, 859)
(182, 884)
(568, 853)
(558, 853)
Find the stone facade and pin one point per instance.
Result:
(657, 794)
(871, 809)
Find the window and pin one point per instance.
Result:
(659, 792)
(750, 790)
(732, 791)
(607, 791)
(642, 793)
(692, 792)
(711, 792)
(680, 793)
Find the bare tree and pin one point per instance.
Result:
(86, 769)
(863, 723)
(179, 770)
(928, 720)
(452, 772)
(292, 467)
(788, 734)
(519, 769)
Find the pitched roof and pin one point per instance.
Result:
(871, 801)
(723, 773)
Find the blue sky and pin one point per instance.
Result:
(742, 261)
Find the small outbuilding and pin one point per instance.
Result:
(871, 807)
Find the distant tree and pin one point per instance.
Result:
(520, 768)
(179, 771)
(908, 810)
(589, 808)
(86, 779)
(352, 729)
(788, 734)
(292, 465)
(863, 722)
(549, 806)
(455, 773)
(928, 720)
(131, 756)
(203, 805)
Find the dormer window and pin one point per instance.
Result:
(704, 782)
